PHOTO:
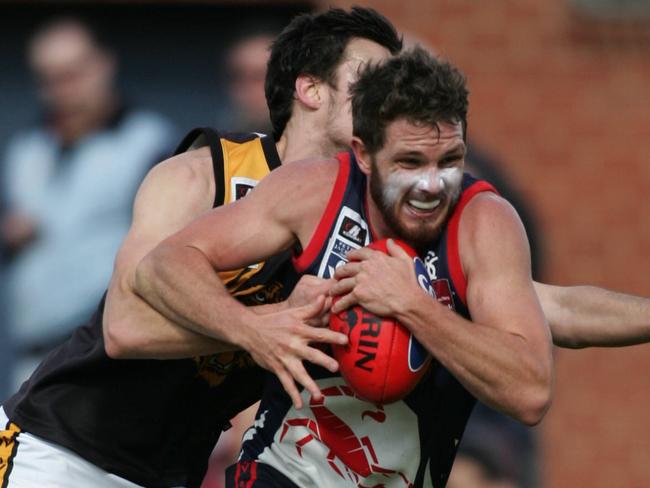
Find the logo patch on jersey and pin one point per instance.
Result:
(439, 288)
(215, 368)
(240, 187)
(241, 190)
(430, 264)
(350, 232)
(423, 277)
(417, 353)
(353, 231)
(336, 256)
(443, 292)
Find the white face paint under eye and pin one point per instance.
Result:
(398, 183)
(450, 178)
(432, 182)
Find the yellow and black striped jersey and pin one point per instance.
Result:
(156, 422)
(240, 161)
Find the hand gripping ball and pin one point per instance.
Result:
(382, 361)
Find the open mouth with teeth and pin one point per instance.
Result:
(423, 206)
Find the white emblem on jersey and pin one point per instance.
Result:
(354, 232)
(252, 430)
(343, 240)
(344, 441)
(430, 264)
(239, 184)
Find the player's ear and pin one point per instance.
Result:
(361, 154)
(309, 91)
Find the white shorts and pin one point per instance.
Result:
(27, 461)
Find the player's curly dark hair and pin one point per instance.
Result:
(313, 44)
(414, 85)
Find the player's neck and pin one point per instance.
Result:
(304, 142)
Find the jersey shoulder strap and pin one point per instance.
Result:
(239, 160)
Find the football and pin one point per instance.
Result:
(382, 361)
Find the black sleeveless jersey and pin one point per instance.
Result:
(343, 440)
(155, 422)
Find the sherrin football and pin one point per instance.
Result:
(382, 361)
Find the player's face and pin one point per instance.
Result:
(357, 54)
(415, 178)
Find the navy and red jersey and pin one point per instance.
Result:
(343, 440)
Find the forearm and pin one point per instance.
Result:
(134, 330)
(499, 368)
(180, 283)
(583, 316)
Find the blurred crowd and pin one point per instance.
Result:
(68, 184)
(68, 187)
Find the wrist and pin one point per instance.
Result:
(418, 304)
(269, 308)
(241, 331)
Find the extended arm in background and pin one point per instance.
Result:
(178, 277)
(584, 316)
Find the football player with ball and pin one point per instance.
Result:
(402, 180)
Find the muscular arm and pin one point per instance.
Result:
(178, 278)
(172, 194)
(584, 316)
(503, 356)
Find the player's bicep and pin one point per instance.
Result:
(496, 253)
(243, 232)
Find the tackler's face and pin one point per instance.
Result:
(358, 53)
(416, 177)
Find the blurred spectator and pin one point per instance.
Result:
(476, 468)
(245, 70)
(6, 349)
(487, 458)
(69, 186)
(227, 449)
